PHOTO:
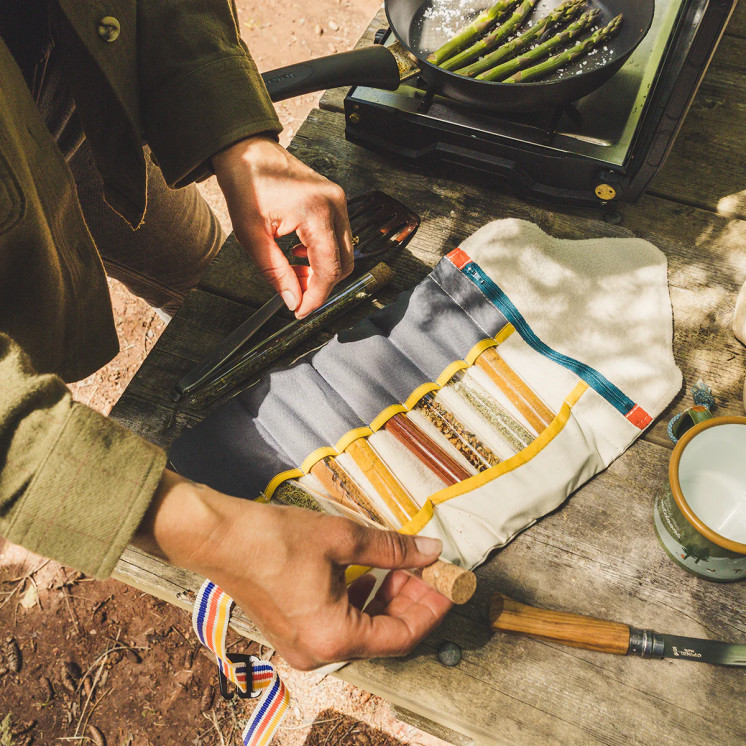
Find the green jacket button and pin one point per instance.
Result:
(108, 28)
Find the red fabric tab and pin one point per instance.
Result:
(459, 258)
(639, 417)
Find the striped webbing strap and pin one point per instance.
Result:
(210, 617)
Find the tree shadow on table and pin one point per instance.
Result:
(333, 728)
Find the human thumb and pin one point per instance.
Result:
(373, 547)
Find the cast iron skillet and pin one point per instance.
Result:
(377, 67)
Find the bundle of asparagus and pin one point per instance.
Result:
(493, 38)
(568, 55)
(500, 72)
(478, 49)
(479, 25)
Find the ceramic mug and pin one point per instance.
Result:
(700, 512)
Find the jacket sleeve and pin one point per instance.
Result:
(74, 485)
(200, 89)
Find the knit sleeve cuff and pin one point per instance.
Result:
(87, 499)
(205, 111)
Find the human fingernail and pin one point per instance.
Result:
(289, 299)
(427, 545)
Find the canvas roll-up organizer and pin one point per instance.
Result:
(472, 405)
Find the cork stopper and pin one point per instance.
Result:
(382, 274)
(454, 582)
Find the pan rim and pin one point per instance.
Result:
(545, 83)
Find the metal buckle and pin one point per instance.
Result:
(249, 693)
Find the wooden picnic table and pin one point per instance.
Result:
(596, 555)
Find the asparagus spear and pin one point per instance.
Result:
(562, 14)
(493, 39)
(568, 55)
(467, 34)
(542, 50)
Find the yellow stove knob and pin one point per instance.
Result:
(605, 192)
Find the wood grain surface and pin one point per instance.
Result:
(598, 554)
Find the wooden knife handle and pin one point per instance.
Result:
(575, 630)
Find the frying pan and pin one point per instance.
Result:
(417, 35)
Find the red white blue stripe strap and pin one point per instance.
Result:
(210, 617)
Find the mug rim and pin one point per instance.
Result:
(673, 479)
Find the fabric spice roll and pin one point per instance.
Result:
(517, 436)
(462, 439)
(383, 480)
(513, 386)
(429, 452)
(340, 486)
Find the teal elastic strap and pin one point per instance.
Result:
(615, 396)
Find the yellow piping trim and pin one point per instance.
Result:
(418, 522)
(279, 479)
(419, 392)
(478, 349)
(504, 333)
(386, 415)
(317, 455)
(389, 412)
(451, 371)
(348, 438)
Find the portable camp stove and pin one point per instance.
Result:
(604, 147)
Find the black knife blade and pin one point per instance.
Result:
(704, 651)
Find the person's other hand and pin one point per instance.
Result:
(285, 568)
(270, 194)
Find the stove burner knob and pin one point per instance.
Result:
(354, 118)
(380, 36)
(605, 192)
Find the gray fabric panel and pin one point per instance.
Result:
(431, 330)
(469, 297)
(274, 425)
(230, 451)
(301, 410)
(367, 369)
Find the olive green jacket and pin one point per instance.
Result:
(174, 74)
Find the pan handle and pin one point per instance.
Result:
(370, 66)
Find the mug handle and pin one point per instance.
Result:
(686, 420)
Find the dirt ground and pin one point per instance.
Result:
(83, 661)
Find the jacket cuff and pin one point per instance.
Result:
(204, 112)
(89, 496)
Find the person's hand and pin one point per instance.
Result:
(269, 194)
(285, 568)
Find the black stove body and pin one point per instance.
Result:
(604, 147)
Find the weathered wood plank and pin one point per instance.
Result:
(706, 165)
(445, 734)
(179, 587)
(737, 23)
